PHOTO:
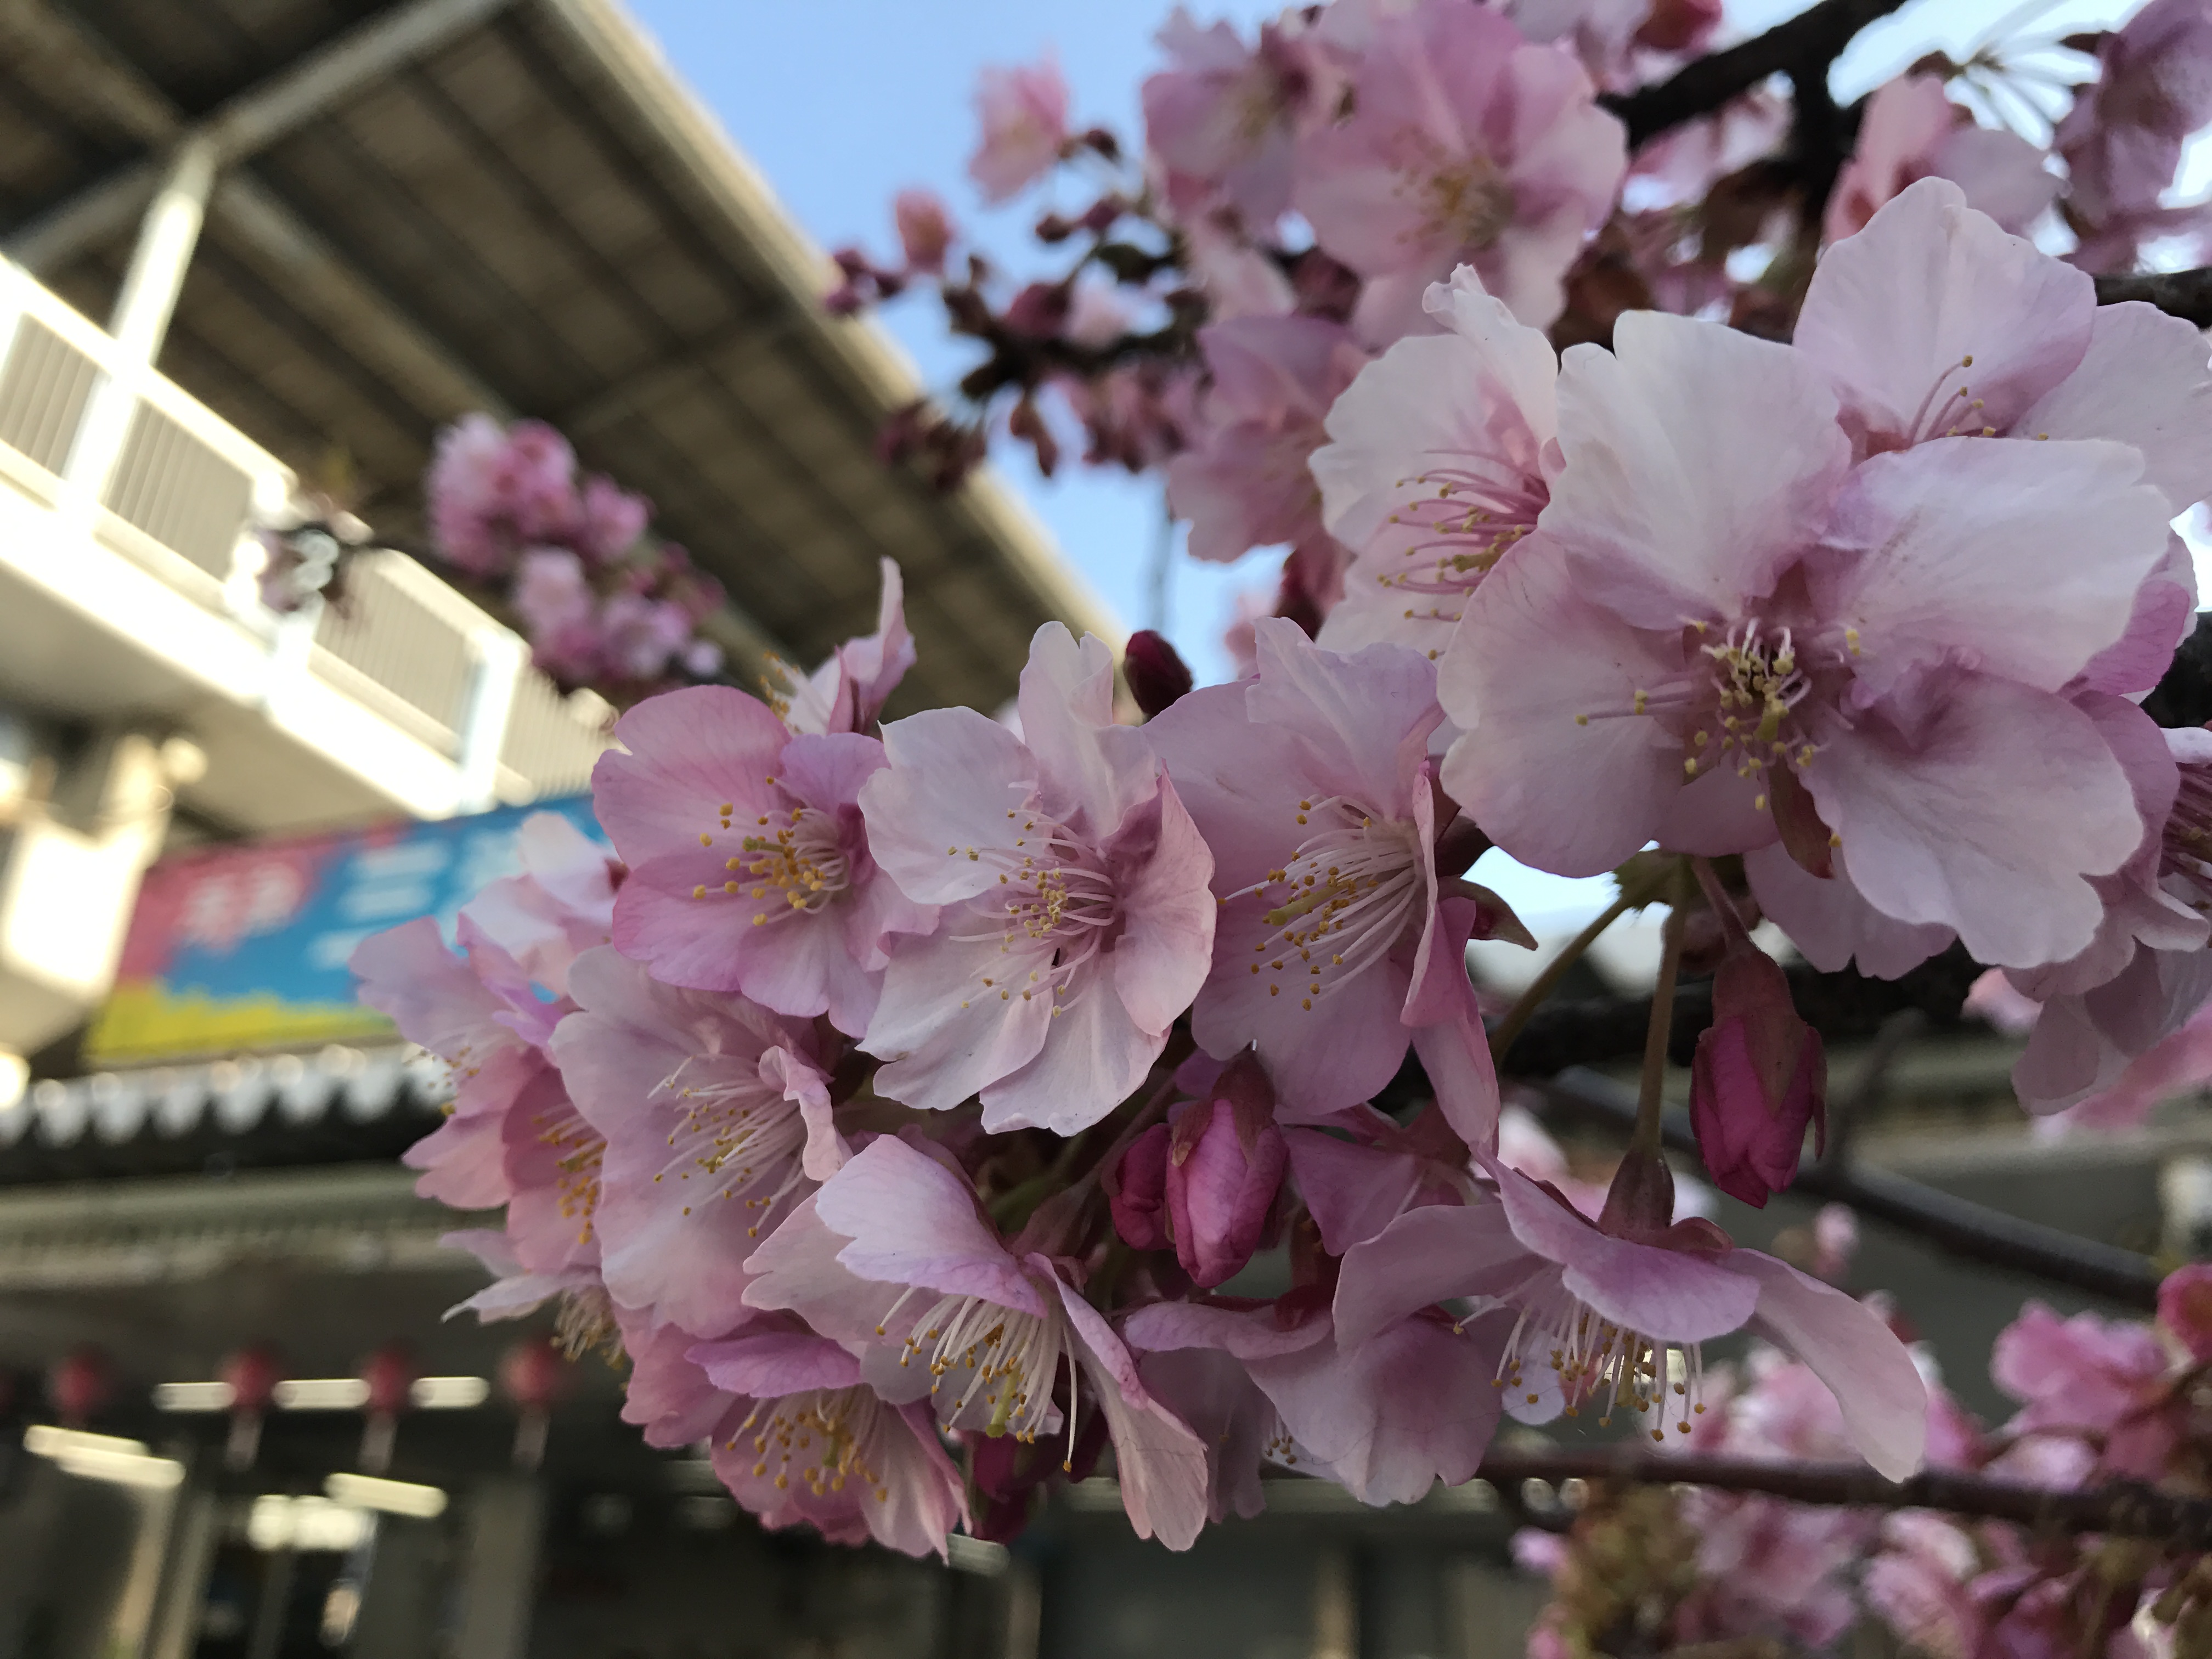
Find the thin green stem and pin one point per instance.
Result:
(1541, 988)
(1649, 1101)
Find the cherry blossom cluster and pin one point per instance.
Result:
(1215, 290)
(2099, 1400)
(934, 1109)
(604, 602)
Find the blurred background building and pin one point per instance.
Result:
(246, 237)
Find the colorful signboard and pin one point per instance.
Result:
(244, 947)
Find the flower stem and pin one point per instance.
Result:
(1649, 1101)
(1541, 988)
(1723, 907)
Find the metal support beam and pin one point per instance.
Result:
(247, 123)
(166, 237)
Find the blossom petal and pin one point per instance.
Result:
(1552, 765)
(957, 784)
(1895, 312)
(1698, 460)
(1985, 818)
(1669, 1295)
(909, 1220)
(1093, 1056)
(1831, 923)
(1427, 1255)
(1848, 1346)
(943, 1032)
(1167, 916)
(1159, 1462)
(2143, 381)
(2022, 560)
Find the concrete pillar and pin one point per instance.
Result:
(500, 1562)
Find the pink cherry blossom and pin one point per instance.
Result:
(1628, 1299)
(749, 865)
(1466, 144)
(560, 906)
(1386, 1416)
(492, 491)
(2123, 139)
(1076, 923)
(1932, 321)
(847, 691)
(2090, 1375)
(1244, 482)
(1226, 116)
(793, 1434)
(716, 1118)
(2119, 1029)
(1336, 943)
(892, 1259)
(1436, 466)
(1912, 130)
(465, 1010)
(1024, 113)
(1725, 634)
(805, 1439)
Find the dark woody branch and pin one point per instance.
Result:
(1801, 48)
(2183, 293)
(1972, 1232)
(2121, 1509)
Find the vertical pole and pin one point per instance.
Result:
(1335, 1605)
(501, 1566)
(166, 236)
(501, 658)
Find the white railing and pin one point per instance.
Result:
(132, 464)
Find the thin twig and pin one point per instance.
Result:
(2121, 1509)
(2183, 293)
(1846, 1110)
(1973, 1232)
(1541, 988)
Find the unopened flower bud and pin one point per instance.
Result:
(1136, 1190)
(925, 229)
(1758, 1078)
(1157, 673)
(1225, 1162)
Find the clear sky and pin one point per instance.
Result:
(843, 102)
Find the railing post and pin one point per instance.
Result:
(166, 237)
(501, 658)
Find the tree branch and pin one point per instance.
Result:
(2121, 1509)
(1973, 1232)
(1806, 44)
(2183, 293)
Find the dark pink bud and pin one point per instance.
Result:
(1156, 673)
(1640, 1201)
(925, 229)
(1225, 1162)
(1758, 1078)
(1137, 1191)
(2184, 1307)
(1039, 310)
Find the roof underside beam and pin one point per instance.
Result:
(248, 121)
